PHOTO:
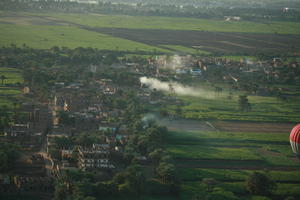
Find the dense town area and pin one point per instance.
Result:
(80, 128)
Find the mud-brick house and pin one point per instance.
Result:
(95, 157)
(23, 134)
(57, 131)
(67, 153)
(36, 160)
(39, 115)
(6, 184)
(33, 184)
(108, 127)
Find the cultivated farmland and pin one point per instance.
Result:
(231, 157)
(210, 41)
(11, 79)
(129, 33)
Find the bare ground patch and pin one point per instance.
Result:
(210, 41)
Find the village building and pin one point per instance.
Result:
(33, 184)
(95, 157)
(57, 131)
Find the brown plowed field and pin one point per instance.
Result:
(225, 42)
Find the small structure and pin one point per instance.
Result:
(33, 184)
(96, 157)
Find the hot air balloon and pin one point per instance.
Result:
(295, 140)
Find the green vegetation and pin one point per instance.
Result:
(4, 101)
(8, 155)
(172, 23)
(205, 152)
(10, 81)
(8, 91)
(200, 155)
(231, 146)
(17, 197)
(11, 76)
(43, 37)
(194, 174)
(213, 165)
(219, 107)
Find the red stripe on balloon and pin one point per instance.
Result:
(295, 134)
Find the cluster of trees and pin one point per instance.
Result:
(43, 68)
(146, 140)
(244, 104)
(131, 182)
(8, 155)
(203, 9)
(262, 80)
(257, 183)
(5, 118)
(26, 57)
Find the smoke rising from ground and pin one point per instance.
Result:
(176, 88)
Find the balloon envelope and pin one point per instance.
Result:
(295, 139)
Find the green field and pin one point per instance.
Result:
(172, 23)
(238, 188)
(235, 175)
(9, 91)
(44, 36)
(202, 154)
(12, 76)
(219, 107)
(45, 30)
(232, 146)
(11, 85)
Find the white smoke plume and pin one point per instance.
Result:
(148, 119)
(177, 88)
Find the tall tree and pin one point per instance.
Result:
(210, 183)
(244, 104)
(3, 77)
(259, 184)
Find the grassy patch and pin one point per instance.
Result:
(5, 102)
(234, 175)
(270, 149)
(226, 138)
(9, 91)
(12, 76)
(172, 23)
(218, 107)
(288, 189)
(43, 37)
(225, 149)
(210, 152)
